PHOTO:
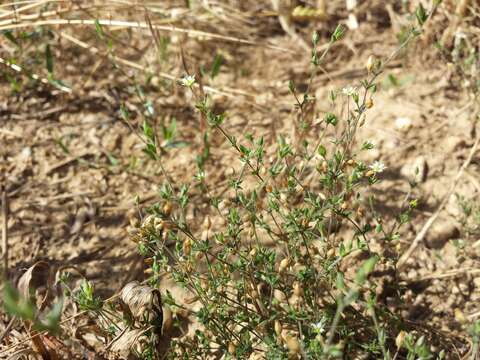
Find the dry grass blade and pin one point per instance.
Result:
(142, 25)
(227, 92)
(20, 69)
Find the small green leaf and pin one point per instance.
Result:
(15, 305)
(340, 281)
(217, 63)
(49, 59)
(366, 268)
(291, 86)
(322, 151)
(148, 131)
(99, 29)
(8, 34)
(331, 119)
(51, 321)
(421, 14)
(338, 33)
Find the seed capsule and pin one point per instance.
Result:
(370, 63)
(232, 348)
(278, 328)
(292, 344)
(187, 247)
(207, 223)
(369, 103)
(279, 295)
(283, 265)
(297, 289)
(400, 339)
(167, 208)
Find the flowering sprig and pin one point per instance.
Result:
(377, 167)
(188, 81)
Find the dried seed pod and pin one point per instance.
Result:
(158, 224)
(297, 289)
(148, 220)
(207, 223)
(400, 339)
(369, 103)
(232, 348)
(292, 343)
(279, 295)
(187, 247)
(167, 208)
(278, 327)
(167, 319)
(459, 316)
(324, 166)
(370, 64)
(283, 265)
(360, 212)
(362, 120)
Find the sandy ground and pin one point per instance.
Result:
(72, 168)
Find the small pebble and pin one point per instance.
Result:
(403, 124)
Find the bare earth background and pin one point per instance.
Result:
(72, 169)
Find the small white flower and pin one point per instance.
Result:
(377, 167)
(188, 80)
(349, 91)
(319, 327)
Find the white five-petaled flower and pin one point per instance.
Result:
(188, 80)
(377, 166)
(319, 327)
(349, 91)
